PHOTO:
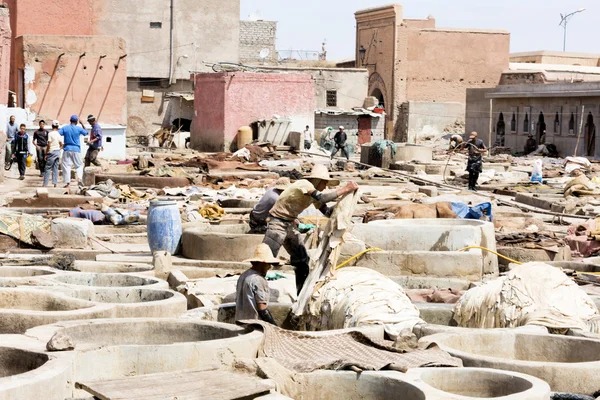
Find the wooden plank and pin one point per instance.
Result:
(182, 385)
(325, 259)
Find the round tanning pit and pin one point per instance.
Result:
(23, 272)
(137, 303)
(111, 267)
(476, 383)
(21, 309)
(568, 364)
(151, 332)
(110, 280)
(15, 361)
(328, 385)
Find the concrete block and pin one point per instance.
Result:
(72, 233)
(434, 169)
(177, 278)
(430, 191)
(439, 314)
(414, 153)
(42, 193)
(530, 255)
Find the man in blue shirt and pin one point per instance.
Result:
(72, 149)
(95, 143)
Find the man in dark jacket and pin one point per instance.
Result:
(340, 139)
(20, 150)
(476, 149)
(40, 141)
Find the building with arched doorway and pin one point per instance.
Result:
(420, 73)
(556, 104)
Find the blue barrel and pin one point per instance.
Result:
(164, 226)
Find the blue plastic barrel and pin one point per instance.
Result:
(164, 226)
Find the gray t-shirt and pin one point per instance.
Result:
(11, 130)
(260, 212)
(252, 289)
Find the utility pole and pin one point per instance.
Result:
(564, 20)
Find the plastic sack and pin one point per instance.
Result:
(536, 173)
(29, 161)
(477, 212)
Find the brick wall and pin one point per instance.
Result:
(255, 36)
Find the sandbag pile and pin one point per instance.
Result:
(530, 294)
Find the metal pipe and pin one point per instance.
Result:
(171, 44)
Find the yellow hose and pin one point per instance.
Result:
(355, 257)
(491, 251)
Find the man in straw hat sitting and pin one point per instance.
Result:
(260, 212)
(281, 229)
(252, 292)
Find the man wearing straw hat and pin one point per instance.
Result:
(252, 291)
(281, 228)
(260, 212)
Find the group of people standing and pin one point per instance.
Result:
(48, 145)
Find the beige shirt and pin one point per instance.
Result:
(294, 200)
(54, 140)
(252, 289)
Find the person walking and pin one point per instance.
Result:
(260, 212)
(340, 139)
(40, 141)
(53, 155)
(282, 225)
(20, 150)
(11, 132)
(308, 138)
(252, 291)
(95, 142)
(475, 148)
(72, 149)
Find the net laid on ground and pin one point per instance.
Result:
(305, 352)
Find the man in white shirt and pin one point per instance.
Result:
(308, 138)
(53, 155)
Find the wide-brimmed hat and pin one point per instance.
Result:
(263, 254)
(321, 172)
(282, 183)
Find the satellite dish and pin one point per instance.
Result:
(264, 53)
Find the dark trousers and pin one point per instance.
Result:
(257, 226)
(91, 157)
(21, 162)
(307, 144)
(41, 158)
(341, 147)
(473, 177)
(282, 233)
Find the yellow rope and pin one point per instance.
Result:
(491, 251)
(355, 257)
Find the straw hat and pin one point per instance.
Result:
(282, 183)
(263, 253)
(321, 172)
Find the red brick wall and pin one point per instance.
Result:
(224, 102)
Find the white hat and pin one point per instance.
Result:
(55, 123)
(341, 127)
(321, 172)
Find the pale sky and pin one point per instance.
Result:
(533, 24)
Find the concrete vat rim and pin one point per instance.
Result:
(458, 353)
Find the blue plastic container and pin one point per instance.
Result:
(164, 226)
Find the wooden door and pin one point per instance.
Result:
(364, 130)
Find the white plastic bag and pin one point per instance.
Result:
(536, 173)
